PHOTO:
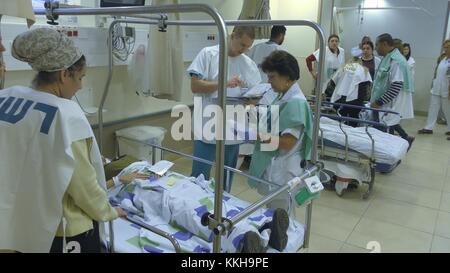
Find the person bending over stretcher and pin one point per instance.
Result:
(189, 199)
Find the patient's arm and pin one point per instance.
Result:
(126, 179)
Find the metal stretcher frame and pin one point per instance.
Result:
(216, 223)
(349, 155)
(155, 147)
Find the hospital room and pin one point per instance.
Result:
(213, 126)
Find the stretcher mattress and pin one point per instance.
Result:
(129, 237)
(389, 149)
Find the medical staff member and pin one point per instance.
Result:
(351, 86)
(204, 73)
(18, 8)
(391, 86)
(260, 51)
(53, 186)
(295, 130)
(334, 59)
(368, 59)
(440, 93)
(411, 63)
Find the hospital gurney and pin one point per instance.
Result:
(135, 234)
(52, 12)
(354, 154)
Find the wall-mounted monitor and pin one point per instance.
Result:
(121, 3)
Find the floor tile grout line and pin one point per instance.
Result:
(409, 184)
(435, 222)
(415, 185)
(359, 221)
(412, 204)
(400, 225)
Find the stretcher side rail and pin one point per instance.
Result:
(157, 231)
(344, 105)
(367, 122)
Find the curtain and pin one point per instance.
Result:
(18, 8)
(165, 58)
(257, 10)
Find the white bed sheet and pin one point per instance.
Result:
(389, 149)
(131, 238)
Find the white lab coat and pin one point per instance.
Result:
(412, 67)
(37, 165)
(206, 66)
(347, 80)
(440, 83)
(332, 63)
(286, 165)
(401, 104)
(259, 52)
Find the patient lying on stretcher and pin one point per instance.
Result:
(183, 201)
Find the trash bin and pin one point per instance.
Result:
(132, 141)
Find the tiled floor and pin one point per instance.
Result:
(408, 211)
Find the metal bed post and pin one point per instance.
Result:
(222, 73)
(222, 83)
(220, 145)
(318, 89)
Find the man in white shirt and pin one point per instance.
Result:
(260, 51)
(204, 73)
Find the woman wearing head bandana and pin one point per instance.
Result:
(53, 187)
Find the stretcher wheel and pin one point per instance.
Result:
(371, 183)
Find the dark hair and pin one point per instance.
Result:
(283, 63)
(276, 31)
(398, 43)
(44, 77)
(409, 53)
(333, 36)
(369, 43)
(365, 38)
(386, 37)
(247, 30)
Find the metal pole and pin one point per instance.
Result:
(153, 156)
(220, 144)
(159, 232)
(253, 207)
(111, 237)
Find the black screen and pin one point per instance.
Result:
(121, 3)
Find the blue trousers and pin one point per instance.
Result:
(208, 152)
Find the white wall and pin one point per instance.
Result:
(299, 41)
(422, 31)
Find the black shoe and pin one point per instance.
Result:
(425, 132)
(251, 243)
(279, 226)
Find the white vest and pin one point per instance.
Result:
(36, 133)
